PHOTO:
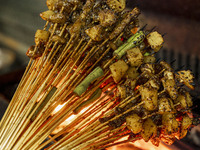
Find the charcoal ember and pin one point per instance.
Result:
(169, 140)
(155, 141)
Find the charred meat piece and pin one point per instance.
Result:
(107, 18)
(120, 27)
(169, 84)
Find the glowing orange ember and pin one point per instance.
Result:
(59, 107)
(139, 145)
(137, 87)
(68, 120)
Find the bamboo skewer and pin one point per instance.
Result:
(56, 78)
(86, 120)
(68, 108)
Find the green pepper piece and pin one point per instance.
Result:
(82, 87)
(133, 41)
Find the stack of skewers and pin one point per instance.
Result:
(93, 68)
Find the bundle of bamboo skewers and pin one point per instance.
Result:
(94, 69)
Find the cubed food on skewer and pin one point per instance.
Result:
(135, 57)
(132, 73)
(147, 68)
(184, 100)
(170, 124)
(67, 75)
(154, 83)
(117, 5)
(107, 18)
(51, 4)
(186, 77)
(118, 70)
(165, 105)
(149, 130)
(155, 40)
(122, 91)
(51, 16)
(41, 36)
(185, 124)
(35, 52)
(134, 123)
(95, 33)
(166, 66)
(58, 39)
(149, 96)
(120, 27)
(169, 84)
(58, 4)
(149, 59)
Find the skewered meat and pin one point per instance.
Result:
(95, 33)
(155, 40)
(134, 123)
(166, 66)
(169, 84)
(51, 16)
(185, 124)
(58, 4)
(107, 18)
(149, 59)
(122, 91)
(149, 96)
(165, 105)
(35, 52)
(185, 77)
(149, 130)
(170, 124)
(58, 39)
(154, 83)
(135, 57)
(118, 70)
(132, 73)
(147, 68)
(41, 36)
(120, 27)
(117, 5)
(184, 99)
